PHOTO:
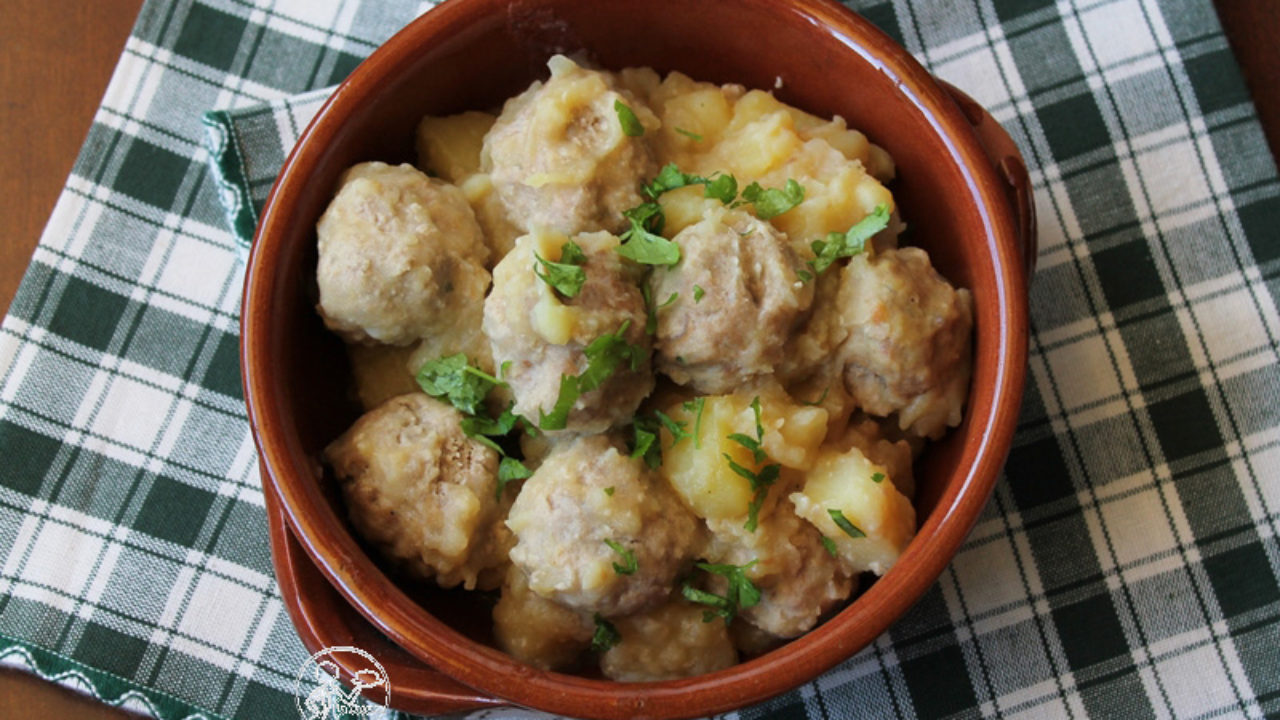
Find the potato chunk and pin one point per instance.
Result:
(450, 146)
(865, 495)
(697, 467)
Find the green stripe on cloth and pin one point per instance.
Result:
(1127, 565)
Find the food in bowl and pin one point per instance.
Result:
(661, 389)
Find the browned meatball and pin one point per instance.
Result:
(589, 508)
(423, 493)
(738, 299)
(400, 257)
(908, 348)
(558, 157)
(544, 335)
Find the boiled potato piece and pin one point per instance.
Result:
(863, 492)
(697, 467)
(450, 146)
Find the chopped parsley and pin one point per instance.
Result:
(604, 355)
(466, 387)
(647, 431)
(631, 126)
(566, 276)
(877, 477)
(819, 401)
(698, 293)
(606, 635)
(843, 523)
(689, 134)
(741, 593)
(629, 563)
(455, 379)
(772, 202)
(805, 276)
(510, 469)
(609, 491)
(642, 242)
(651, 310)
(849, 243)
(761, 478)
(696, 407)
(829, 545)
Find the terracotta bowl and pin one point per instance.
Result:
(961, 186)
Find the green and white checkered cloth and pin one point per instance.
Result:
(1126, 567)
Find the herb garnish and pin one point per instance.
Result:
(773, 202)
(849, 243)
(830, 545)
(689, 134)
(698, 293)
(819, 401)
(760, 479)
(510, 469)
(647, 431)
(651, 310)
(642, 243)
(843, 523)
(631, 126)
(604, 355)
(606, 635)
(455, 379)
(609, 491)
(877, 477)
(740, 594)
(629, 564)
(696, 406)
(567, 276)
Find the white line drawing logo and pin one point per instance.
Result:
(319, 695)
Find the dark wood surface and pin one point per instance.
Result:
(56, 57)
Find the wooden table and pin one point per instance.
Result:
(57, 58)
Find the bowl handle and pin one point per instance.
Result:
(1007, 161)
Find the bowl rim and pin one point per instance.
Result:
(488, 670)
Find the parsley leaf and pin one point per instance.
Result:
(689, 134)
(830, 545)
(721, 187)
(631, 126)
(606, 635)
(696, 407)
(669, 178)
(751, 444)
(877, 477)
(773, 202)
(651, 310)
(755, 410)
(567, 276)
(741, 593)
(843, 523)
(849, 243)
(609, 491)
(819, 401)
(675, 427)
(629, 563)
(698, 293)
(642, 243)
(604, 355)
(455, 379)
(805, 276)
(510, 469)
(645, 444)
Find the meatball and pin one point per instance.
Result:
(547, 635)
(599, 531)
(797, 578)
(544, 336)
(423, 493)
(908, 348)
(400, 257)
(739, 298)
(558, 156)
(666, 643)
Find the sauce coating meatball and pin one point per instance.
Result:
(798, 579)
(558, 156)
(423, 493)
(600, 532)
(738, 299)
(671, 641)
(907, 350)
(544, 335)
(545, 634)
(400, 257)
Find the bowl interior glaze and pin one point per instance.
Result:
(472, 54)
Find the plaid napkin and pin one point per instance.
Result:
(1126, 566)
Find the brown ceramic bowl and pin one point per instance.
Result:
(960, 185)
